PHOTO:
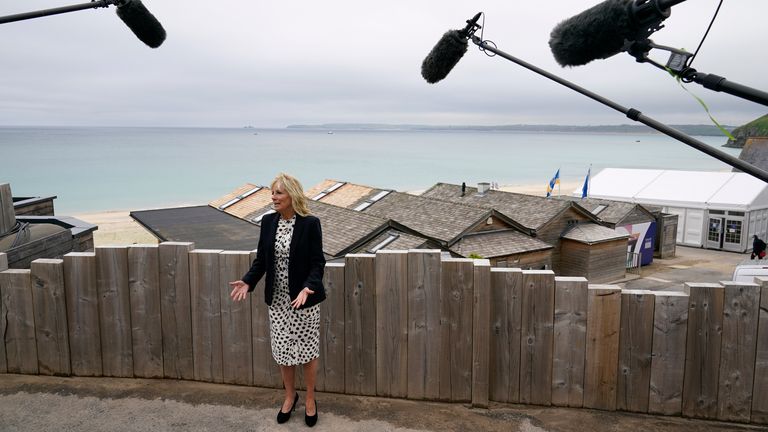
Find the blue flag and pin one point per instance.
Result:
(555, 181)
(585, 188)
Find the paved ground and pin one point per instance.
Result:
(36, 403)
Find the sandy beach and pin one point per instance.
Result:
(119, 228)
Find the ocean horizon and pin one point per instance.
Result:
(93, 169)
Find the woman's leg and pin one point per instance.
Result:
(289, 379)
(310, 375)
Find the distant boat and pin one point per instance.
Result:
(330, 132)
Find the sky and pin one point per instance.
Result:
(275, 63)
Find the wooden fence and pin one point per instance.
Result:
(404, 324)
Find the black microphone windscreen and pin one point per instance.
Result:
(597, 33)
(141, 22)
(444, 56)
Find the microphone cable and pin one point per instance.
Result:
(21, 229)
(690, 60)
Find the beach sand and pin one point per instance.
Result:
(119, 228)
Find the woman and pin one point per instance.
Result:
(290, 252)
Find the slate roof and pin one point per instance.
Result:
(403, 241)
(530, 211)
(613, 212)
(590, 233)
(204, 225)
(498, 243)
(248, 198)
(348, 195)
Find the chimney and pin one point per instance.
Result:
(482, 188)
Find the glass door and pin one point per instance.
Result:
(715, 233)
(732, 240)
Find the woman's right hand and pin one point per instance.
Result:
(239, 290)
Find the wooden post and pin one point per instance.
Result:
(50, 307)
(603, 322)
(635, 348)
(537, 337)
(392, 323)
(360, 324)
(114, 310)
(175, 310)
(236, 337)
(481, 333)
(206, 314)
(740, 315)
(7, 213)
(3, 313)
(506, 303)
(760, 390)
(570, 339)
(330, 374)
(424, 279)
(19, 315)
(3, 261)
(265, 371)
(82, 300)
(456, 299)
(146, 323)
(702, 353)
(670, 324)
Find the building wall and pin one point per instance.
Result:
(39, 208)
(600, 263)
(552, 232)
(666, 236)
(537, 260)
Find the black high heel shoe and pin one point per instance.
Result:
(284, 417)
(310, 420)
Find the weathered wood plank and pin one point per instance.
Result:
(670, 326)
(3, 328)
(737, 362)
(114, 310)
(423, 323)
(330, 374)
(537, 337)
(3, 261)
(635, 349)
(7, 213)
(392, 325)
(146, 322)
(19, 316)
(51, 329)
(360, 324)
(175, 306)
(236, 326)
(570, 341)
(456, 299)
(206, 314)
(506, 303)
(82, 300)
(266, 373)
(760, 389)
(702, 353)
(601, 363)
(481, 332)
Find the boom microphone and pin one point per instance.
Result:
(141, 22)
(607, 29)
(447, 52)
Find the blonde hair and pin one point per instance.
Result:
(292, 187)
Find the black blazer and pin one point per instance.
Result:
(306, 262)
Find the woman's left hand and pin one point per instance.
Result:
(301, 298)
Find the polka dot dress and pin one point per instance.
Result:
(295, 333)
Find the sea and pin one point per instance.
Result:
(93, 169)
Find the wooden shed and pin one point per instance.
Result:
(594, 252)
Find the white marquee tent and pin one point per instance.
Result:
(716, 210)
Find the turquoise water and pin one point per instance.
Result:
(94, 169)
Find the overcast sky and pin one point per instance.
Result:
(274, 63)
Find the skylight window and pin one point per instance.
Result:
(384, 243)
(258, 218)
(363, 206)
(598, 209)
(240, 197)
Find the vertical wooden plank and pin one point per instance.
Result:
(7, 213)
(3, 261)
(670, 324)
(570, 339)
(635, 349)
(330, 375)
(740, 315)
(506, 303)
(206, 314)
(266, 373)
(3, 328)
(481, 332)
(360, 324)
(423, 323)
(146, 323)
(114, 310)
(175, 307)
(760, 389)
(50, 308)
(82, 300)
(19, 314)
(537, 337)
(392, 323)
(236, 337)
(702, 352)
(456, 299)
(603, 321)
